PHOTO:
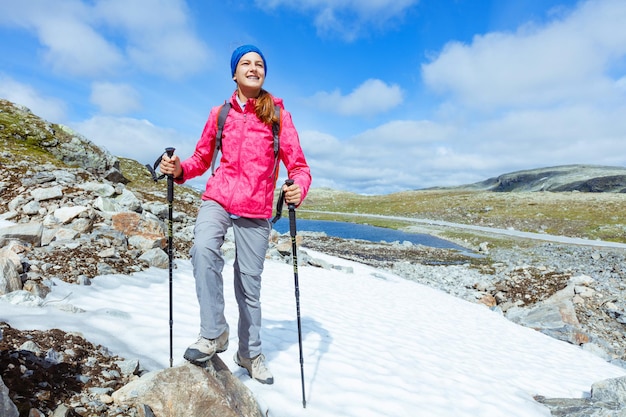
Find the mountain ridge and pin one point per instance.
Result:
(560, 178)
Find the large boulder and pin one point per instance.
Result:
(190, 390)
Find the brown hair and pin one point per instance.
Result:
(264, 108)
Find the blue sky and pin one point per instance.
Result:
(387, 95)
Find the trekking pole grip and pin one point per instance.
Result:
(170, 184)
(292, 213)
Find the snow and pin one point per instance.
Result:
(374, 344)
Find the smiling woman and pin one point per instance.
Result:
(239, 194)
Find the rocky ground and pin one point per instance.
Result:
(40, 369)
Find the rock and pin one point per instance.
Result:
(135, 224)
(189, 390)
(608, 399)
(42, 194)
(61, 411)
(98, 188)
(156, 257)
(488, 300)
(105, 205)
(23, 298)
(160, 210)
(10, 252)
(26, 233)
(31, 346)
(7, 408)
(36, 288)
(128, 367)
(484, 248)
(67, 214)
(9, 278)
(610, 390)
(127, 201)
(31, 207)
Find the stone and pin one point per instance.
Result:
(189, 390)
(135, 224)
(127, 201)
(67, 214)
(488, 300)
(51, 193)
(98, 188)
(610, 390)
(7, 407)
(22, 232)
(9, 278)
(31, 208)
(156, 257)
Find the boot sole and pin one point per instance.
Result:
(201, 360)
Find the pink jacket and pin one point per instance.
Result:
(244, 182)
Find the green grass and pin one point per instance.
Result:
(573, 214)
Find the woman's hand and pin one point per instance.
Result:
(292, 193)
(171, 166)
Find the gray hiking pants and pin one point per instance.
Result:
(251, 242)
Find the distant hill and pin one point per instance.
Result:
(583, 178)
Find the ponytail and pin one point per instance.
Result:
(264, 108)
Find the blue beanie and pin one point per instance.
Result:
(241, 51)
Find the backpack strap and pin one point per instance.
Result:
(221, 120)
(276, 128)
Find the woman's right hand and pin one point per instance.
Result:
(171, 166)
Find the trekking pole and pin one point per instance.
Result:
(294, 256)
(170, 250)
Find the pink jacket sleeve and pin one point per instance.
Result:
(292, 156)
(198, 163)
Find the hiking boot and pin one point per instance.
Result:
(203, 349)
(256, 368)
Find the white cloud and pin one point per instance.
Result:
(133, 138)
(158, 34)
(98, 38)
(564, 60)
(48, 108)
(318, 144)
(348, 19)
(371, 97)
(66, 29)
(115, 99)
(379, 160)
(401, 133)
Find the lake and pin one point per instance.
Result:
(346, 230)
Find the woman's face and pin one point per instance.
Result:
(250, 74)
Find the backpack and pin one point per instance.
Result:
(221, 119)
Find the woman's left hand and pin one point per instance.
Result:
(292, 193)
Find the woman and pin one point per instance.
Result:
(239, 194)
